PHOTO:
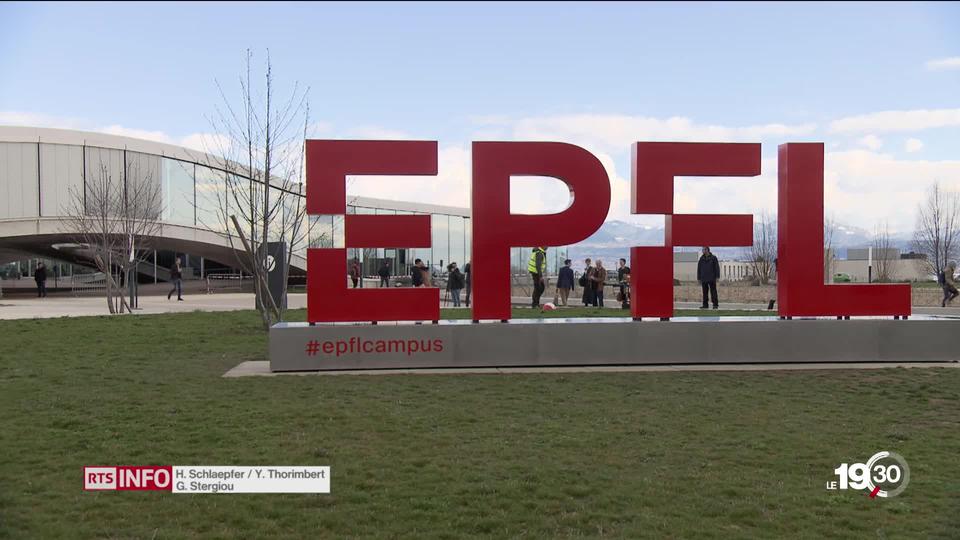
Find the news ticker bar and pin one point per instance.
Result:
(207, 479)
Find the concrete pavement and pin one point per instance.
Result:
(257, 368)
(69, 306)
(66, 306)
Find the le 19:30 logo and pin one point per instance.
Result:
(885, 474)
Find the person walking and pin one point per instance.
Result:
(416, 273)
(565, 282)
(623, 277)
(455, 282)
(708, 271)
(176, 276)
(355, 271)
(949, 285)
(40, 276)
(599, 279)
(384, 274)
(466, 275)
(586, 282)
(537, 266)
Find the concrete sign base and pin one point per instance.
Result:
(609, 341)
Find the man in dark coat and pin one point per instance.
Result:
(587, 283)
(416, 273)
(455, 282)
(40, 276)
(565, 282)
(708, 272)
(384, 274)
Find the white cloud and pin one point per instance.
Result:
(377, 133)
(871, 141)
(19, 118)
(607, 136)
(887, 121)
(490, 119)
(913, 145)
(612, 133)
(943, 64)
(156, 136)
(862, 187)
(210, 143)
(450, 187)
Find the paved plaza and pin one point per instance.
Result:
(257, 368)
(19, 307)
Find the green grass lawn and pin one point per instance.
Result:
(629, 455)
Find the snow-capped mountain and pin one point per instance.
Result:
(614, 239)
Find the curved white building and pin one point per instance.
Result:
(42, 169)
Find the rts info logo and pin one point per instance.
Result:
(885, 474)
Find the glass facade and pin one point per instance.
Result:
(211, 197)
(178, 192)
(450, 236)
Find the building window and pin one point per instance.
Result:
(178, 192)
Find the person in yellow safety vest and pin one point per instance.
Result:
(538, 269)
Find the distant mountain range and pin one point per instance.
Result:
(615, 238)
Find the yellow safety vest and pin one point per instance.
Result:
(532, 265)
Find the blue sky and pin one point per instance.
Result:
(878, 83)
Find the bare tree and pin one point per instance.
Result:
(938, 228)
(115, 217)
(258, 152)
(884, 254)
(829, 229)
(764, 249)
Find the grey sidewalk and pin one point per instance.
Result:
(262, 369)
(68, 306)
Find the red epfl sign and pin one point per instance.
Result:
(801, 290)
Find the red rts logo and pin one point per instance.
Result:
(128, 478)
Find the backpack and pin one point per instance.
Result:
(583, 280)
(941, 278)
